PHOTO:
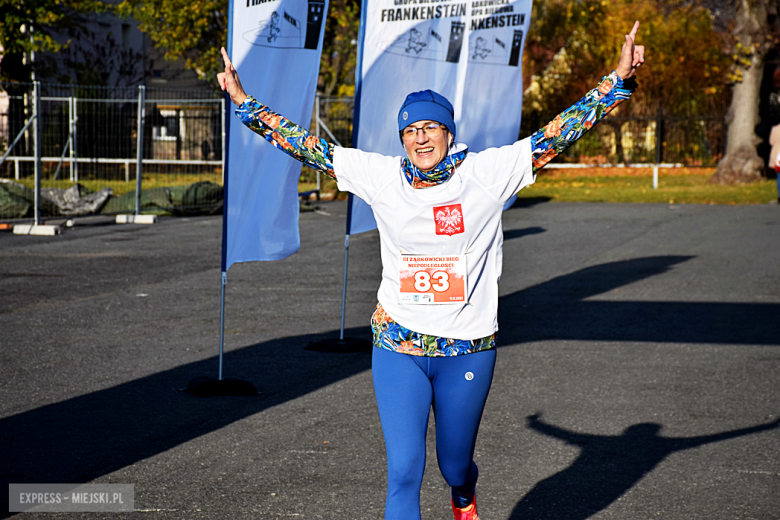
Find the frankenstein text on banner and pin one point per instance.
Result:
(423, 13)
(493, 22)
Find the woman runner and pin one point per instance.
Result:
(438, 211)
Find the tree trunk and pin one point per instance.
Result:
(742, 162)
(617, 127)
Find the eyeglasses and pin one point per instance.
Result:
(431, 130)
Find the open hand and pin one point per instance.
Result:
(631, 56)
(229, 81)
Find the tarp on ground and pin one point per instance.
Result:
(77, 200)
(17, 201)
(200, 198)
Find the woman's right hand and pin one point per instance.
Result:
(229, 81)
(631, 56)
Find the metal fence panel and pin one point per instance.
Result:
(183, 147)
(90, 142)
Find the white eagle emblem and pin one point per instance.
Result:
(448, 220)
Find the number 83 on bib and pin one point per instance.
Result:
(432, 279)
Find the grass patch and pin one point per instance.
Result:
(678, 186)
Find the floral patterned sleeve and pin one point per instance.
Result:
(573, 122)
(292, 139)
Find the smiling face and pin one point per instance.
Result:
(429, 148)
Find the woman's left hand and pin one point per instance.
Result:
(631, 56)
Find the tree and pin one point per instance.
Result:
(572, 43)
(339, 48)
(755, 32)
(196, 29)
(193, 30)
(99, 61)
(31, 26)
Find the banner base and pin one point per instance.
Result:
(136, 219)
(37, 229)
(341, 346)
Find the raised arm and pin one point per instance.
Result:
(571, 124)
(285, 135)
(535, 422)
(288, 137)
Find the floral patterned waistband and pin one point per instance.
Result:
(390, 335)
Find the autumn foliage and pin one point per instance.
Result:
(32, 26)
(195, 30)
(572, 44)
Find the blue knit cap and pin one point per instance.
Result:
(426, 105)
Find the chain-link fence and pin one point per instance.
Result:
(688, 141)
(659, 140)
(109, 150)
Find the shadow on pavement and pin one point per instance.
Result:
(560, 309)
(607, 467)
(509, 234)
(80, 439)
(527, 202)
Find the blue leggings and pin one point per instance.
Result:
(406, 387)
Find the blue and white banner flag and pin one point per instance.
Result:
(360, 216)
(470, 52)
(275, 45)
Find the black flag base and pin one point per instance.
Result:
(341, 346)
(210, 387)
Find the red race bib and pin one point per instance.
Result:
(429, 280)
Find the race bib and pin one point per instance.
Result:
(429, 280)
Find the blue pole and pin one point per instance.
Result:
(222, 323)
(225, 177)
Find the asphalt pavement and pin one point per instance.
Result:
(638, 371)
